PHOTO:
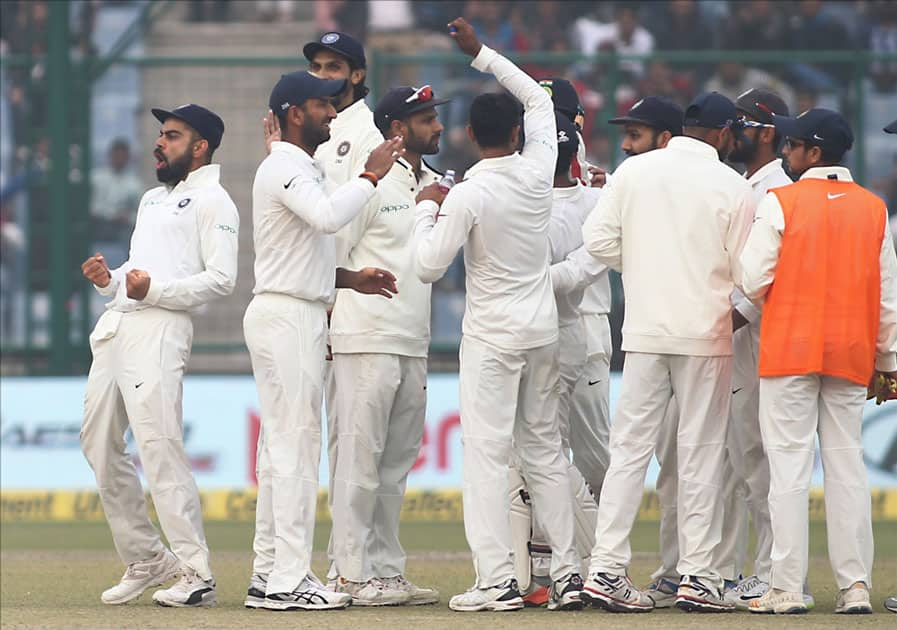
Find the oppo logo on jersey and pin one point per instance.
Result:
(396, 208)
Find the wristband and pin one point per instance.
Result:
(371, 177)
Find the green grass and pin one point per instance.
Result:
(51, 575)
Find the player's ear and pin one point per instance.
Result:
(357, 76)
(470, 135)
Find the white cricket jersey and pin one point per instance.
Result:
(381, 236)
(570, 208)
(674, 222)
(500, 215)
(295, 212)
(185, 238)
(770, 175)
(353, 136)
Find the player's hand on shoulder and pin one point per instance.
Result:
(138, 284)
(432, 192)
(271, 129)
(465, 36)
(384, 156)
(96, 270)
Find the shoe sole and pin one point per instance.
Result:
(862, 609)
(254, 603)
(507, 606)
(159, 582)
(691, 604)
(600, 600)
(790, 610)
(292, 606)
(423, 601)
(207, 601)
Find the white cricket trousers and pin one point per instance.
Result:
(136, 380)
(286, 338)
(701, 386)
(745, 448)
(590, 405)
(510, 397)
(382, 404)
(793, 410)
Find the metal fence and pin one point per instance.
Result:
(48, 310)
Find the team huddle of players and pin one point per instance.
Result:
(345, 200)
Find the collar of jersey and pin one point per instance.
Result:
(203, 176)
(493, 164)
(822, 172)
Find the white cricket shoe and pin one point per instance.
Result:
(417, 595)
(854, 600)
(747, 590)
(700, 595)
(663, 592)
(255, 595)
(566, 594)
(309, 595)
(500, 598)
(191, 591)
(615, 593)
(779, 602)
(139, 576)
(374, 592)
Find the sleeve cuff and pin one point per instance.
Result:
(483, 59)
(748, 310)
(886, 362)
(154, 294)
(109, 290)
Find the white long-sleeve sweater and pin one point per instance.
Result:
(673, 223)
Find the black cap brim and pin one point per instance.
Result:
(328, 88)
(163, 114)
(427, 105)
(788, 126)
(629, 120)
(892, 128)
(311, 48)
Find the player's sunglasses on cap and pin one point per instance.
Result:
(421, 94)
(752, 124)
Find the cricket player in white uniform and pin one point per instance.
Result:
(572, 270)
(183, 254)
(380, 366)
(295, 212)
(673, 221)
(337, 56)
(756, 145)
(589, 407)
(828, 329)
(509, 356)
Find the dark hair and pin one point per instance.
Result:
(358, 91)
(828, 156)
(565, 159)
(492, 117)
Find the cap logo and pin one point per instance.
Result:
(637, 104)
(330, 38)
(343, 148)
(284, 106)
(816, 137)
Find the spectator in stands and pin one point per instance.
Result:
(625, 35)
(115, 192)
(679, 25)
(754, 25)
(208, 10)
(812, 28)
(492, 24)
(733, 78)
(12, 244)
(883, 38)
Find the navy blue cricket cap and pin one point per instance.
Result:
(892, 128)
(297, 87)
(656, 112)
(710, 110)
(568, 139)
(341, 44)
(761, 105)
(207, 123)
(824, 128)
(563, 96)
(399, 103)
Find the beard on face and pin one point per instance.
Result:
(172, 171)
(313, 132)
(745, 150)
(417, 144)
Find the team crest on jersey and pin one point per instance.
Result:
(548, 86)
(183, 202)
(343, 148)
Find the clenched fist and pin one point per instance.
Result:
(465, 36)
(96, 270)
(138, 283)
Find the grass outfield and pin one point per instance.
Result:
(51, 575)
